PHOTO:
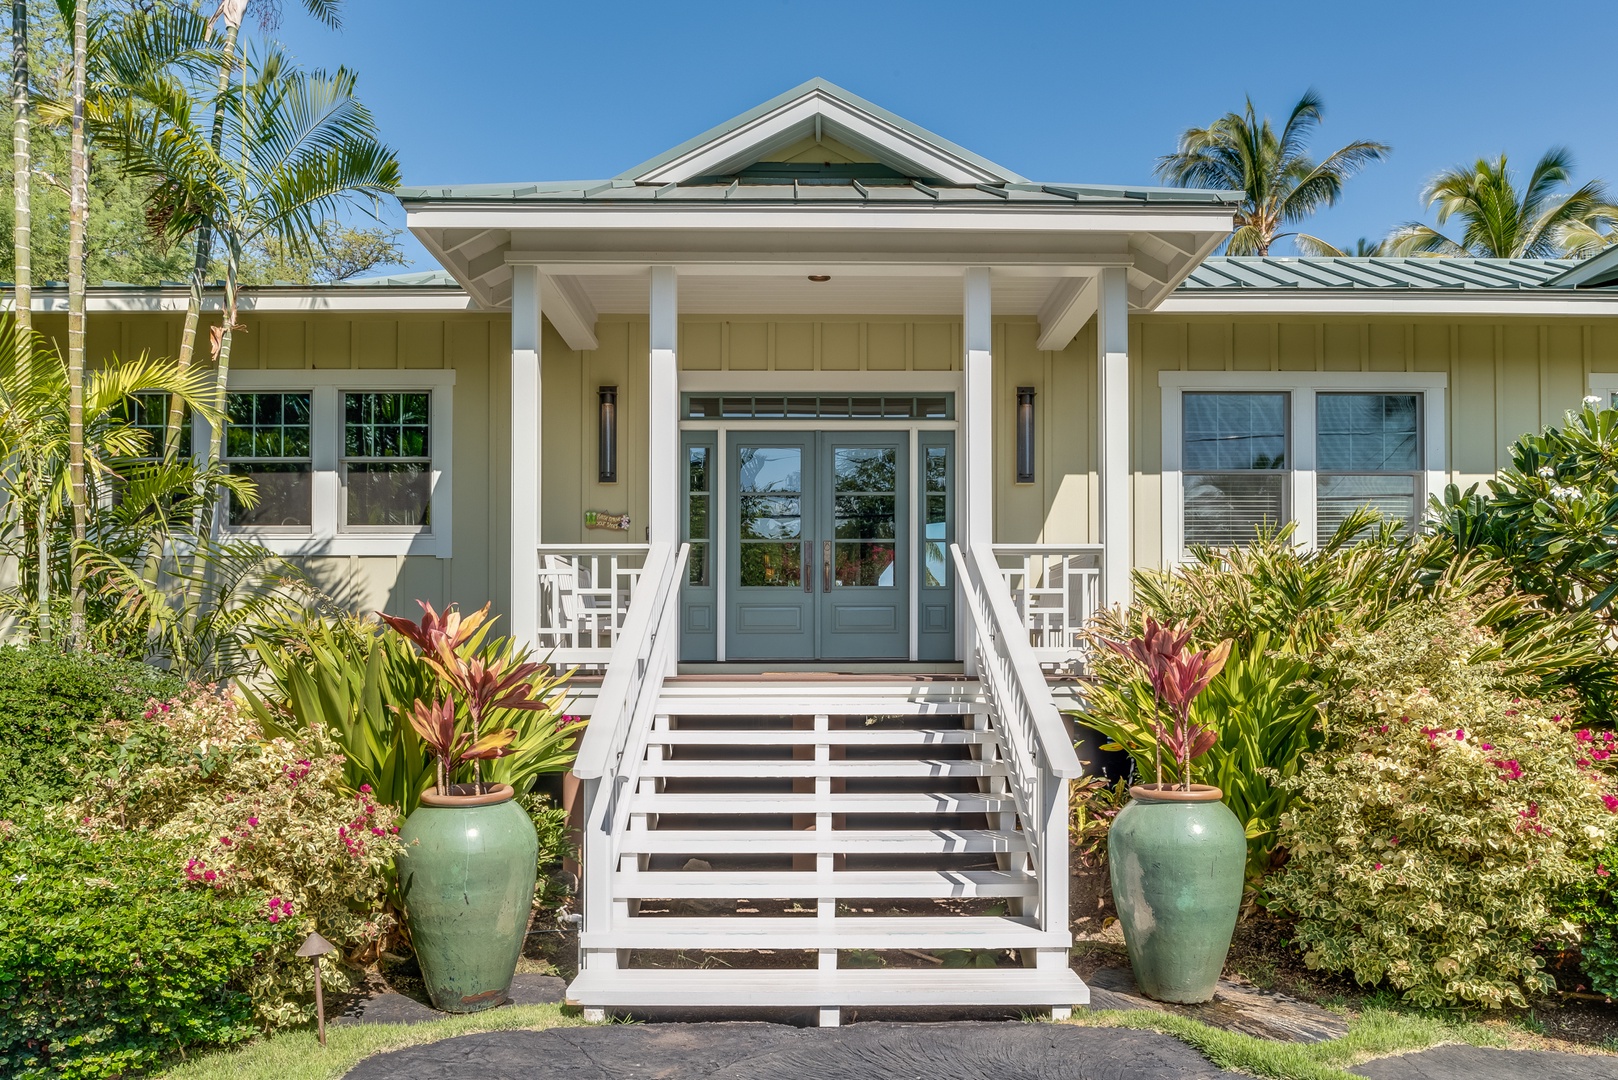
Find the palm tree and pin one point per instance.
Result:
(1281, 183)
(21, 233)
(35, 439)
(296, 146)
(78, 219)
(230, 13)
(1500, 222)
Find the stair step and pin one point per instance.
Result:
(738, 933)
(766, 703)
(663, 802)
(776, 841)
(864, 884)
(812, 988)
(857, 737)
(809, 769)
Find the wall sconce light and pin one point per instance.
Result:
(607, 436)
(1025, 434)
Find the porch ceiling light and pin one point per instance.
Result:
(819, 277)
(1025, 434)
(607, 436)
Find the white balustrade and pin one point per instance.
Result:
(585, 591)
(1055, 588)
(614, 744)
(1041, 756)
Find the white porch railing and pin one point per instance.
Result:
(1041, 749)
(1055, 588)
(584, 595)
(614, 744)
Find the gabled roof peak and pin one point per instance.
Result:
(818, 109)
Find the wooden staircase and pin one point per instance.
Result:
(823, 844)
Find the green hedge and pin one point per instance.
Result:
(52, 704)
(109, 962)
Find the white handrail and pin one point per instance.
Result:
(629, 677)
(1017, 682)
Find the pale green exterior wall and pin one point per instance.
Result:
(1506, 376)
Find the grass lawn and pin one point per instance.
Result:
(298, 1055)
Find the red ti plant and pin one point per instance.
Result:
(435, 724)
(481, 686)
(1177, 674)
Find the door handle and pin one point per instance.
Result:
(825, 565)
(806, 567)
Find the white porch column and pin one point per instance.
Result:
(663, 410)
(1112, 414)
(977, 413)
(525, 470)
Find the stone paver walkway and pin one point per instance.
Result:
(754, 1051)
(1477, 1063)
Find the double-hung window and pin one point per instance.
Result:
(344, 462)
(1367, 453)
(1246, 450)
(268, 441)
(1235, 457)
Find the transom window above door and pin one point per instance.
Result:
(820, 407)
(1250, 450)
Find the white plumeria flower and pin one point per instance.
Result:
(1592, 399)
(1547, 473)
(1566, 493)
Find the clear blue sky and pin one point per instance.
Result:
(509, 90)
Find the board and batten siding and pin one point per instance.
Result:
(1506, 377)
(476, 345)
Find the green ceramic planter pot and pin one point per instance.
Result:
(467, 878)
(1177, 860)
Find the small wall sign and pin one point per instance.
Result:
(595, 519)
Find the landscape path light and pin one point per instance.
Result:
(314, 947)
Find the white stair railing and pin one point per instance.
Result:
(1042, 759)
(1055, 589)
(584, 595)
(614, 744)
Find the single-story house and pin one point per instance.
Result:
(817, 437)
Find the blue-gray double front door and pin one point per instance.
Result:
(818, 546)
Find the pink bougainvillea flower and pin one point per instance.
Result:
(225, 841)
(1585, 736)
(1611, 803)
(253, 821)
(365, 789)
(1376, 866)
(1487, 746)
(1602, 871)
(1393, 840)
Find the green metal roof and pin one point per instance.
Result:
(1596, 271)
(789, 183)
(832, 90)
(1255, 272)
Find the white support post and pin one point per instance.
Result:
(525, 467)
(977, 413)
(1112, 414)
(663, 411)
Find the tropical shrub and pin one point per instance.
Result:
(108, 962)
(1262, 711)
(1591, 903)
(1551, 516)
(363, 680)
(52, 707)
(1429, 841)
(271, 821)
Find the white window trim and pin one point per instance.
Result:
(1301, 386)
(1603, 385)
(327, 537)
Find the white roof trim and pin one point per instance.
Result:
(344, 298)
(815, 114)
